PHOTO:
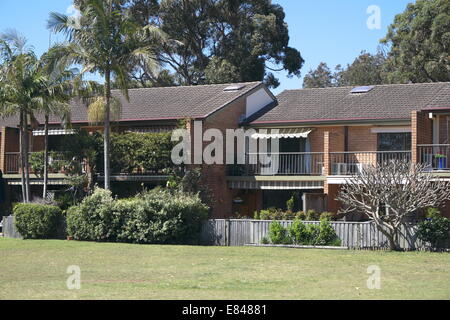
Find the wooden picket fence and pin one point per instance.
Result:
(354, 235)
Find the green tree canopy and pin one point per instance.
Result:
(216, 41)
(322, 77)
(419, 40)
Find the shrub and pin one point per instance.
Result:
(312, 215)
(435, 229)
(160, 217)
(327, 216)
(298, 232)
(271, 214)
(288, 215)
(153, 217)
(301, 215)
(311, 234)
(265, 240)
(93, 219)
(290, 204)
(326, 235)
(37, 221)
(64, 200)
(278, 234)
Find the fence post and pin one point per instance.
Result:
(227, 233)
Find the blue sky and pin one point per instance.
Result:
(323, 30)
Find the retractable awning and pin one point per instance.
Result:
(54, 132)
(284, 133)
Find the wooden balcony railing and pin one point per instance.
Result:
(434, 156)
(300, 163)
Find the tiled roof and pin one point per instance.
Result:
(383, 102)
(164, 103)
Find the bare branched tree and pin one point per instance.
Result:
(391, 192)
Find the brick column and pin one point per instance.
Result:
(414, 129)
(2, 148)
(326, 160)
(421, 133)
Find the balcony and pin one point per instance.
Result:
(312, 164)
(56, 160)
(350, 163)
(434, 156)
(280, 164)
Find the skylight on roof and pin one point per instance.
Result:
(363, 89)
(236, 87)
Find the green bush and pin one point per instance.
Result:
(93, 219)
(301, 215)
(330, 216)
(278, 234)
(131, 152)
(312, 215)
(37, 221)
(435, 229)
(271, 214)
(298, 232)
(326, 235)
(153, 217)
(160, 217)
(277, 214)
(290, 204)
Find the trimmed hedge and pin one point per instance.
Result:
(37, 221)
(154, 217)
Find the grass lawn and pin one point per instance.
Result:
(37, 270)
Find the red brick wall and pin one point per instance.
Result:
(444, 129)
(421, 132)
(215, 175)
(362, 139)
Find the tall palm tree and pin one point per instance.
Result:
(104, 39)
(59, 91)
(28, 86)
(21, 87)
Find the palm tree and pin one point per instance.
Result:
(59, 90)
(104, 39)
(21, 87)
(28, 86)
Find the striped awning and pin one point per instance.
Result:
(283, 133)
(54, 132)
(276, 185)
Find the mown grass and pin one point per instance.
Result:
(37, 270)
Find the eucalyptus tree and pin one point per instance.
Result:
(22, 84)
(105, 39)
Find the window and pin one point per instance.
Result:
(394, 141)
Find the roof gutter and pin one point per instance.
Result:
(339, 122)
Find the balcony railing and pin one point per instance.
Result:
(299, 163)
(350, 163)
(56, 160)
(434, 156)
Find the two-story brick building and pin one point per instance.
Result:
(331, 133)
(325, 136)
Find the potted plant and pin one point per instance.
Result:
(442, 161)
